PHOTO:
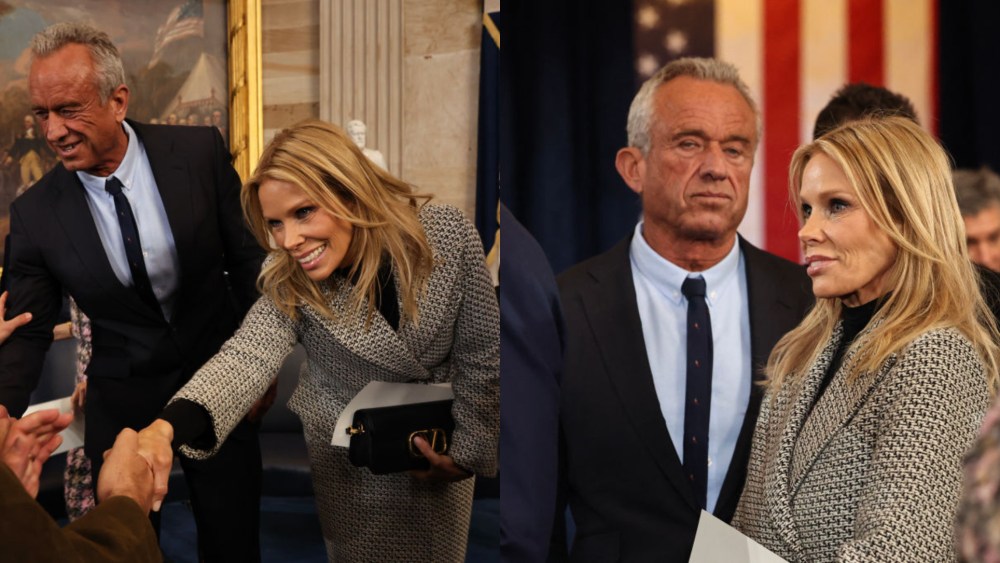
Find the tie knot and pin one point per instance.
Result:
(693, 287)
(113, 186)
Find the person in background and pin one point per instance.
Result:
(78, 483)
(141, 226)
(873, 400)
(978, 193)
(378, 285)
(30, 154)
(657, 411)
(857, 100)
(117, 531)
(531, 345)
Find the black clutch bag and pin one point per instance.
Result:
(382, 438)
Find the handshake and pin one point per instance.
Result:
(137, 466)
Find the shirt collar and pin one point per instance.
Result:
(668, 277)
(126, 170)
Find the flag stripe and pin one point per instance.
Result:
(935, 67)
(781, 120)
(864, 31)
(793, 55)
(909, 55)
(738, 40)
(824, 59)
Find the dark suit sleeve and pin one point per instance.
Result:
(32, 289)
(531, 346)
(243, 254)
(115, 530)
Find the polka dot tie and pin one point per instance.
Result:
(130, 236)
(698, 391)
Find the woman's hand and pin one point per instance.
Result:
(154, 445)
(443, 468)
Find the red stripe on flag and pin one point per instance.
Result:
(865, 51)
(781, 122)
(935, 79)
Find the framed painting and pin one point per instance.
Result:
(187, 62)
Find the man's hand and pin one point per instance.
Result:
(443, 468)
(7, 327)
(27, 443)
(154, 447)
(125, 472)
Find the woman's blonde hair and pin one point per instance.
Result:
(902, 180)
(321, 159)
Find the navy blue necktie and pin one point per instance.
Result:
(130, 236)
(698, 394)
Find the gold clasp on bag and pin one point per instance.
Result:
(436, 437)
(352, 430)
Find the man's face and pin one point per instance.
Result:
(694, 182)
(982, 233)
(85, 134)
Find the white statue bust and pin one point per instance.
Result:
(358, 132)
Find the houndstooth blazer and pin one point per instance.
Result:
(874, 472)
(365, 517)
(457, 340)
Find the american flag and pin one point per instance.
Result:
(186, 20)
(794, 54)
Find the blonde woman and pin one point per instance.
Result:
(874, 398)
(376, 284)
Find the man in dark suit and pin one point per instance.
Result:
(141, 224)
(693, 131)
(531, 348)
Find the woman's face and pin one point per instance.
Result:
(848, 256)
(312, 235)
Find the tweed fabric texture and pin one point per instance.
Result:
(367, 517)
(874, 471)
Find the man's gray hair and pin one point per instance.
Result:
(640, 113)
(107, 60)
(976, 189)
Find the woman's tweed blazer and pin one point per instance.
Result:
(874, 472)
(457, 339)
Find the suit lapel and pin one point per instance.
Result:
(73, 212)
(834, 410)
(377, 343)
(787, 415)
(174, 186)
(613, 316)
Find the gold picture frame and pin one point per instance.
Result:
(246, 132)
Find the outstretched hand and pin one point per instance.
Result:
(8, 326)
(443, 468)
(154, 445)
(27, 443)
(126, 473)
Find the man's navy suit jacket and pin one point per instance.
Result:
(622, 478)
(139, 358)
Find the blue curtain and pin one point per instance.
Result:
(969, 81)
(566, 81)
